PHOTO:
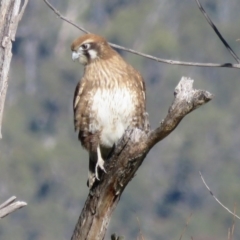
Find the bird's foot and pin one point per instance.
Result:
(100, 164)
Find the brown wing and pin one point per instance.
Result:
(138, 89)
(82, 115)
(77, 108)
(76, 99)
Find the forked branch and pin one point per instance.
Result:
(127, 157)
(10, 206)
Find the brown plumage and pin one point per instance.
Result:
(109, 98)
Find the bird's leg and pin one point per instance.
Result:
(91, 171)
(100, 162)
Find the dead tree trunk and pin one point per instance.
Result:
(10, 15)
(127, 158)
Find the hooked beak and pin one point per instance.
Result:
(75, 55)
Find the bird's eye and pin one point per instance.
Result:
(85, 46)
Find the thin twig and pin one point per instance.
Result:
(168, 61)
(217, 32)
(233, 225)
(141, 237)
(8, 202)
(10, 206)
(216, 197)
(22, 10)
(186, 225)
(64, 18)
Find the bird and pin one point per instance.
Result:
(109, 98)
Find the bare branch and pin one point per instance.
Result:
(208, 188)
(10, 206)
(168, 61)
(22, 10)
(7, 202)
(186, 100)
(217, 32)
(10, 17)
(174, 62)
(64, 18)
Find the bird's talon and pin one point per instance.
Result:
(100, 165)
(96, 173)
(97, 177)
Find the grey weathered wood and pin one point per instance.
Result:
(10, 15)
(127, 158)
(7, 202)
(10, 206)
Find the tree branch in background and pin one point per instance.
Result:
(127, 157)
(64, 18)
(208, 188)
(217, 32)
(10, 15)
(186, 225)
(10, 206)
(168, 61)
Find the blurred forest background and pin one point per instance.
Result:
(42, 161)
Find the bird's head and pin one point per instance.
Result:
(89, 48)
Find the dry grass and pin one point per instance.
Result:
(186, 225)
(231, 230)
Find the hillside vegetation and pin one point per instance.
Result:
(42, 161)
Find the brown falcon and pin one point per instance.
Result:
(109, 98)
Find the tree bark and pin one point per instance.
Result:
(10, 15)
(127, 157)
